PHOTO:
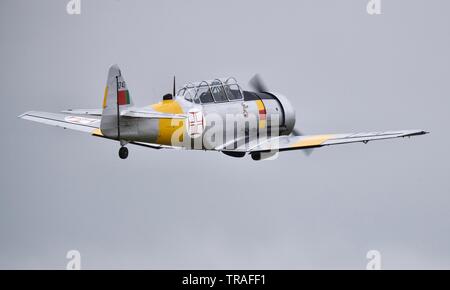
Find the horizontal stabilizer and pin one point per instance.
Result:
(91, 112)
(133, 113)
(150, 114)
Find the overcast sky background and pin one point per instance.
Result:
(344, 71)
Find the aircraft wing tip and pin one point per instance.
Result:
(418, 133)
(24, 114)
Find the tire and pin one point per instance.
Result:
(256, 156)
(123, 152)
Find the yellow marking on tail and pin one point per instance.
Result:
(104, 97)
(168, 126)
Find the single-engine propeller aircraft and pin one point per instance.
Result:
(209, 115)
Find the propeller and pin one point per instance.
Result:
(257, 83)
(296, 132)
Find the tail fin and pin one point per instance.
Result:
(116, 98)
(116, 91)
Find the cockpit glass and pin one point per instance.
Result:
(233, 92)
(190, 94)
(204, 94)
(187, 92)
(218, 92)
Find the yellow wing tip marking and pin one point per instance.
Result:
(311, 141)
(97, 132)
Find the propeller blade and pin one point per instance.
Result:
(296, 132)
(257, 84)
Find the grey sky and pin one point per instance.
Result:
(344, 71)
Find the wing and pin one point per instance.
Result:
(76, 122)
(284, 143)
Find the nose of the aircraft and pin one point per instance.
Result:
(288, 110)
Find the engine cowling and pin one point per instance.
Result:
(288, 120)
(277, 105)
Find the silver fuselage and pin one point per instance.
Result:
(225, 125)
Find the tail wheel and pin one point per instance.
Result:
(123, 152)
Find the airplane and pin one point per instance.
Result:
(215, 115)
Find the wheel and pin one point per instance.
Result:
(256, 156)
(123, 152)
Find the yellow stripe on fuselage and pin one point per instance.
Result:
(166, 127)
(261, 107)
(311, 141)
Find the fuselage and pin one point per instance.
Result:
(213, 125)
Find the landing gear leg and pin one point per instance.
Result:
(123, 152)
